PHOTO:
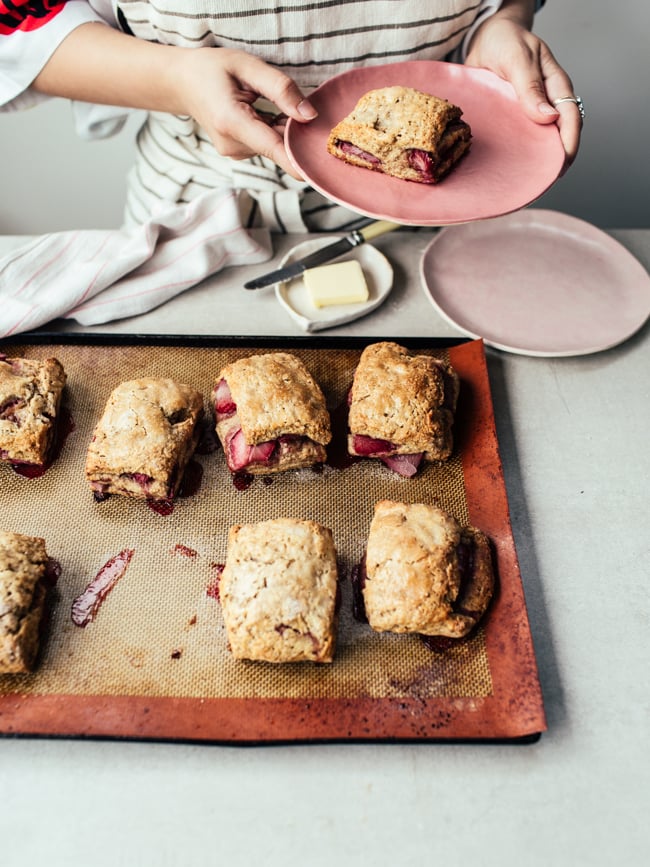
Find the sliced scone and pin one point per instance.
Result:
(402, 132)
(401, 407)
(144, 439)
(270, 414)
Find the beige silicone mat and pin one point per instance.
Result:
(159, 632)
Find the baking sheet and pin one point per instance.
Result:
(155, 663)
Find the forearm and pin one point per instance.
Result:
(519, 11)
(98, 64)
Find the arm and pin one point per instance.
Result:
(504, 44)
(215, 86)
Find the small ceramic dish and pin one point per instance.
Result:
(294, 297)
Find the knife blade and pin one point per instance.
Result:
(324, 254)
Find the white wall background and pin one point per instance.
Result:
(52, 180)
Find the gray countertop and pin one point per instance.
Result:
(573, 436)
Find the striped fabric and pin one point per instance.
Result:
(310, 41)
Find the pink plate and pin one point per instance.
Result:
(512, 160)
(537, 283)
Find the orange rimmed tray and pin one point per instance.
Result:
(155, 664)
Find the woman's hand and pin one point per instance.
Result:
(219, 86)
(510, 50)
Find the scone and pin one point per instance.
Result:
(30, 397)
(270, 414)
(278, 591)
(144, 439)
(402, 132)
(401, 407)
(23, 570)
(424, 573)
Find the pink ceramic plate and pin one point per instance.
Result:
(537, 283)
(512, 160)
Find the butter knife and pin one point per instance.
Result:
(324, 254)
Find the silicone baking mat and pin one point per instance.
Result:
(154, 663)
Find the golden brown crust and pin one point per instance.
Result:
(275, 395)
(407, 399)
(23, 564)
(278, 591)
(392, 126)
(144, 439)
(30, 397)
(415, 581)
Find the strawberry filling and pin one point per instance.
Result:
(371, 447)
(423, 163)
(350, 149)
(241, 455)
(7, 408)
(224, 405)
(404, 465)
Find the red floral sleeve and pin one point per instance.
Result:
(27, 14)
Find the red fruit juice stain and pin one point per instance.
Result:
(161, 507)
(337, 451)
(64, 427)
(52, 573)
(242, 481)
(86, 606)
(184, 551)
(212, 590)
(439, 643)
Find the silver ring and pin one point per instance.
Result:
(576, 100)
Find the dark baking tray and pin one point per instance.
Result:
(485, 690)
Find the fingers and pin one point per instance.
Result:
(569, 117)
(539, 80)
(245, 132)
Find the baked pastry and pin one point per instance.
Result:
(401, 407)
(144, 439)
(402, 132)
(30, 398)
(424, 573)
(270, 414)
(278, 591)
(23, 571)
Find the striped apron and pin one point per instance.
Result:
(310, 40)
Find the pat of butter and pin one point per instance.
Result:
(339, 283)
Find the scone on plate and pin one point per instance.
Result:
(401, 407)
(30, 398)
(278, 591)
(424, 573)
(23, 571)
(144, 439)
(402, 132)
(270, 414)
